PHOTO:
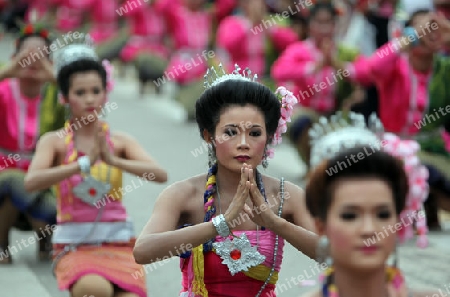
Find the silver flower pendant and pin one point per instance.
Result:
(238, 254)
(91, 190)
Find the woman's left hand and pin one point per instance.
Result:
(444, 27)
(45, 72)
(261, 214)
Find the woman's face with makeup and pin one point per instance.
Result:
(240, 137)
(361, 223)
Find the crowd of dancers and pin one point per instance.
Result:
(360, 88)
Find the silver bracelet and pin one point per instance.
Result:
(221, 225)
(85, 164)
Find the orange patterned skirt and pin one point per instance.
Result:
(113, 261)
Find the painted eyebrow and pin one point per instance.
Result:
(355, 207)
(238, 126)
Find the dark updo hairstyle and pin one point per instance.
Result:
(328, 6)
(32, 31)
(378, 165)
(410, 21)
(82, 65)
(216, 99)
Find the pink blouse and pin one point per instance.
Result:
(190, 31)
(403, 92)
(295, 67)
(237, 37)
(104, 20)
(19, 119)
(218, 278)
(147, 29)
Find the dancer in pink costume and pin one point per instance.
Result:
(103, 18)
(105, 32)
(68, 16)
(239, 37)
(245, 258)
(189, 24)
(310, 66)
(412, 80)
(146, 48)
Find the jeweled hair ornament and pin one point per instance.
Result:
(75, 51)
(84, 50)
(214, 77)
(331, 137)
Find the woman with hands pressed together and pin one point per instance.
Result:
(239, 118)
(28, 109)
(94, 238)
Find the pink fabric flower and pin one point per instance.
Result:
(397, 282)
(109, 75)
(270, 153)
(422, 241)
(406, 150)
(287, 100)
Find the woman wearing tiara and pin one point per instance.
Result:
(359, 188)
(351, 207)
(28, 109)
(94, 238)
(240, 119)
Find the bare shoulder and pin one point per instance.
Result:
(293, 190)
(54, 139)
(185, 190)
(120, 138)
(273, 185)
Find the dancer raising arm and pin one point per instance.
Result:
(239, 118)
(94, 238)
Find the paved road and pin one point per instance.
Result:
(158, 123)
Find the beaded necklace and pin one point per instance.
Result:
(211, 189)
(394, 278)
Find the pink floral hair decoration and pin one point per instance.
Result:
(109, 75)
(288, 101)
(413, 217)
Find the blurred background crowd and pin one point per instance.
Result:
(299, 43)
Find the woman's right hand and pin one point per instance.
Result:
(242, 194)
(14, 69)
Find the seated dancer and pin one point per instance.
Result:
(189, 24)
(238, 36)
(311, 67)
(94, 239)
(68, 16)
(146, 48)
(28, 109)
(239, 118)
(102, 25)
(412, 80)
(351, 207)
